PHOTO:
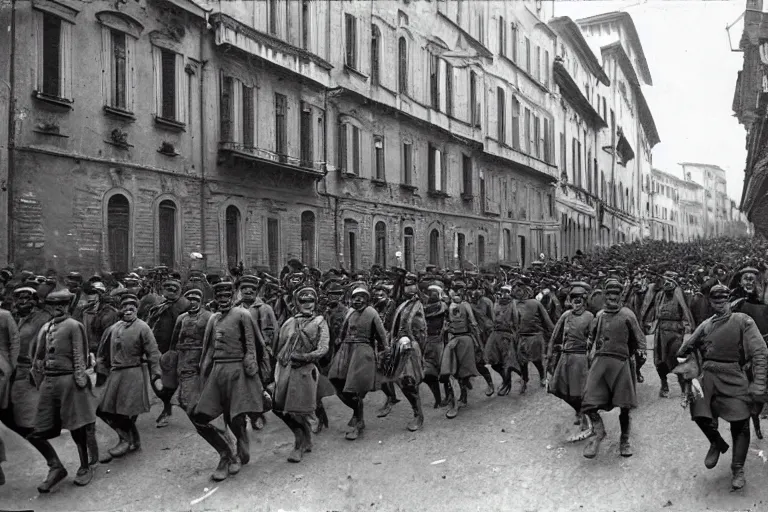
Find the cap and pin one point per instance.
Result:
(99, 286)
(222, 286)
(306, 292)
(194, 293)
(612, 285)
(719, 292)
(360, 290)
(24, 289)
(579, 288)
(129, 298)
(59, 297)
(172, 283)
(75, 276)
(249, 280)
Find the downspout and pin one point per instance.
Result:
(203, 62)
(11, 136)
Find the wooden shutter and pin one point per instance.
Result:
(106, 64)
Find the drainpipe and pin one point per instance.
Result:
(11, 135)
(203, 153)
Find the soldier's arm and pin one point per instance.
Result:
(323, 341)
(149, 346)
(556, 338)
(250, 358)
(694, 341)
(79, 353)
(636, 330)
(379, 333)
(756, 352)
(176, 332)
(14, 343)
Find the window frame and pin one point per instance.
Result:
(351, 44)
(64, 64)
(180, 87)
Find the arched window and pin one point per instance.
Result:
(507, 245)
(402, 66)
(375, 53)
(480, 251)
(167, 233)
(118, 233)
(461, 249)
(434, 247)
(351, 235)
(308, 238)
(232, 234)
(380, 234)
(408, 248)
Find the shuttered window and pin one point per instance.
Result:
(248, 115)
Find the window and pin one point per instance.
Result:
(351, 230)
(356, 150)
(226, 108)
(273, 14)
(474, 105)
(232, 235)
(380, 247)
(589, 171)
(480, 28)
(407, 163)
(273, 243)
(501, 110)
(341, 147)
(448, 89)
(402, 66)
(248, 116)
(546, 68)
(51, 54)
(521, 245)
(605, 109)
(434, 247)
(408, 248)
(378, 157)
(118, 232)
(527, 55)
(482, 190)
(305, 135)
(515, 123)
(480, 250)
(466, 174)
(436, 163)
(547, 142)
(537, 66)
(507, 245)
(536, 136)
(350, 24)
(308, 238)
(375, 53)
(502, 36)
(306, 23)
(513, 38)
(527, 131)
(119, 63)
(170, 85)
(434, 76)
(167, 233)
(563, 157)
(54, 55)
(461, 248)
(281, 126)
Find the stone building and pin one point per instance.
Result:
(665, 206)
(715, 201)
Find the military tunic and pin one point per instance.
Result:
(408, 322)
(673, 319)
(535, 328)
(432, 350)
(501, 348)
(354, 363)
(459, 354)
(187, 340)
(570, 375)
(24, 394)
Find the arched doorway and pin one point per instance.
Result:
(232, 235)
(167, 233)
(118, 233)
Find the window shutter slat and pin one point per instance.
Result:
(157, 58)
(106, 65)
(65, 60)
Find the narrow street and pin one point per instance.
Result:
(501, 453)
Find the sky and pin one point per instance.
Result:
(694, 77)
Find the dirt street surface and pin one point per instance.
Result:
(501, 453)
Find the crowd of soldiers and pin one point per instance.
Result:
(237, 346)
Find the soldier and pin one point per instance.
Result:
(123, 348)
(162, 319)
(98, 316)
(482, 308)
(535, 328)
(435, 312)
(724, 343)
(501, 350)
(353, 369)
(385, 307)
(408, 331)
(229, 369)
(66, 400)
(335, 315)
(302, 341)
(615, 337)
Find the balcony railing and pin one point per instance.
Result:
(259, 155)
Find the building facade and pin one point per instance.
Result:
(716, 203)
(665, 207)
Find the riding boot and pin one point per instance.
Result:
(219, 443)
(298, 444)
(93, 445)
(162, 420)
(389, 391)
(717, 444)
(593, 447)
(306, 446)
(357, 419)
(85, 472)
(464, 386)
(414, 398)
(542, 374)
(122, 446)
(483, 370)
(625, 449)
(524, 376)
(134, 438)
(447, 390)
(322, 418)
(664, 391)
(453, 409)
(506, 382)
(434, 387)
(239, 428)
(740, 437)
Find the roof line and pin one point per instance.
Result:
(572, 32)
(634, 37)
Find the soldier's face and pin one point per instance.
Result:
(612, 299)
(434, 296)
(748, 282)
(224, 298)
(379, 296)
(505, 295)
(59, 310)
(719, 305)
(129, 311)
(248, 292)
(669, 285)
(410, 291)
(720, 274)
(24, 304)
(170, 292)
(194, 304)
(359, 301)
(577, 301)
(307, 304)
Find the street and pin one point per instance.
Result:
(501, 453)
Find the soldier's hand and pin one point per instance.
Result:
(158, 385)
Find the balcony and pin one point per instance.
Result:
(235, 154)
(531, 164)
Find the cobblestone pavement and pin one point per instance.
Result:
(501, 453)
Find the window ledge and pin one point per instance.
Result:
(379, 183)
(170, 124)
(119, 146)
(166, 153)
(352, 71)
(467, 196)
(349, 175)
(51, 133)
(438, 193)
(63, 103)
(119, 112)
(411, 188)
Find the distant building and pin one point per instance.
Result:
(665, 221)
(715, 201)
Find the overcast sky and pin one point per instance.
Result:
(694, 76)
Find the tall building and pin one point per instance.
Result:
(715, 201)
(664, 195)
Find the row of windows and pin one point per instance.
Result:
(534, 60)
(537, 131)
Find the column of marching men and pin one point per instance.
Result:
(242, 345)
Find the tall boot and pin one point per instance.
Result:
(56, 471)
(298, 436)
(109, 419)
(625, 449)
(717, 444)
(356, 423)
(122, 427)
(219, 443)
(434, 387)
(542, 373)
(524, 376)
(593, 447)
(85, 472)
(664, 391)
(322, 418)
(447, 390)
(307, 431)
(239, 428)
(414, 398)
(506, 383)
(133, 436)
(388, 389)
(464, 386)
(740, 437)
(483, 370)
(162, 420)
(93, 445)
(453, 408)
